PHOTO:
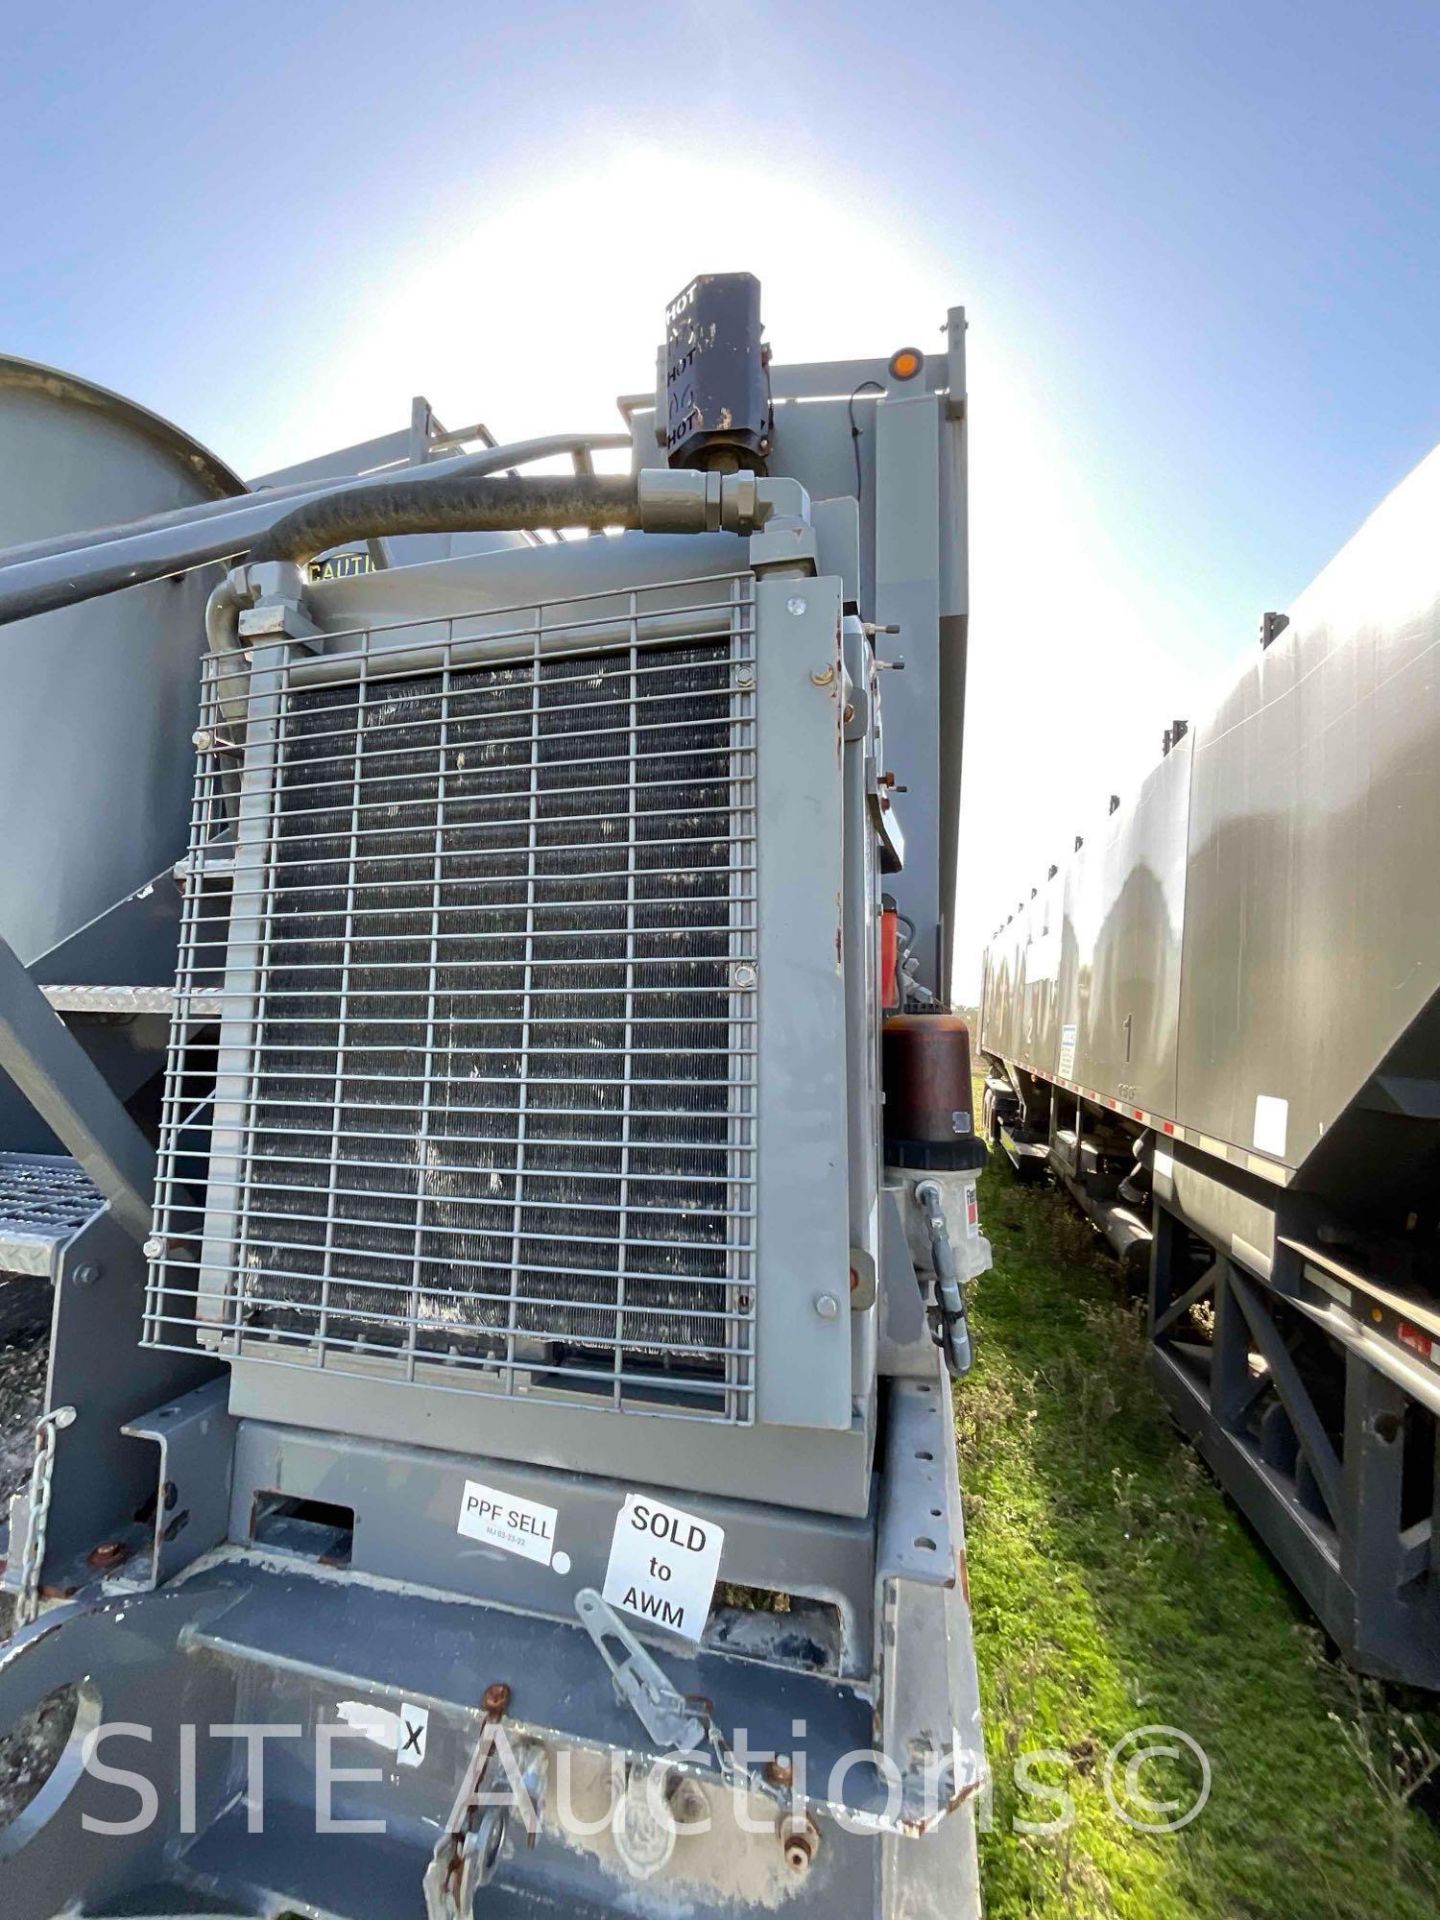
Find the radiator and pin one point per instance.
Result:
(480, 1111)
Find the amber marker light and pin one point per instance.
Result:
(905, 364)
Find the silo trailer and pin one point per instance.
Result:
(479, 1098)
(1217, 1020)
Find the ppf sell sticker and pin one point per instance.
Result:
(514, 1525)
(663, 1565)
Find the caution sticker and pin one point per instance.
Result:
(663, 1565)
(513, 1525)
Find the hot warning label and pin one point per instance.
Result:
(664, 1565)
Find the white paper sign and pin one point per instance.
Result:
(663, 1565)
(1272, 1123)
(506, 1521)
(414, 1734)
(405, 1734)
(1067, 1051)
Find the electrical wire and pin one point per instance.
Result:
(855, 431)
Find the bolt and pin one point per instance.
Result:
(849, 711)
(795, 604)
(154, 1248)
(87, 1275)
(745, 676)
(799, 1842)
(109, 1553)
(823, 676)
(826, 1305)
(743, 976)
(780, 1771)
(496, 1698)
(203, 741)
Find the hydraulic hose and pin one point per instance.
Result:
(426, 503)
(38, 579)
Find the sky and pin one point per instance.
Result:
(1197, 245)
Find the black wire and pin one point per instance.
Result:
(855, 431)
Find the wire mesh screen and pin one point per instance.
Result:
(482, 1111)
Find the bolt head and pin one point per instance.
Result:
(827, 1306)
(153, 1248)
(799, 1842)
(796, 604)
(823, 676)
(496, 1697)
(88, 1274)
(203, 740)
(743, 976)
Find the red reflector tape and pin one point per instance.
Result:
(1167, 1126)
(1414, 1338)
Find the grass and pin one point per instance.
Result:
(1113, 1588)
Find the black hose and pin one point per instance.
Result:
(863, 387)
(378, 509)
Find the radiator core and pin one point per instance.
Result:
(484, 1104)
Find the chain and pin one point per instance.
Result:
(32, 1556)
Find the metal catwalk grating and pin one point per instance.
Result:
(482, 1109)
(44, 1199)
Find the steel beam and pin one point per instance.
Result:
(65, 1087)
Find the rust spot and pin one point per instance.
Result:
(109, 1553)
(496, 1697)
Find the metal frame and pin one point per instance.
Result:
(1313, 1439)
(202, 1598)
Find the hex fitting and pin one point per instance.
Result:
(683, 500)
(799, 1842)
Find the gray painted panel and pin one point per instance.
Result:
(804, 1357)
(907, 594)
(1313, 920)
(1311, 908)
(1121, 968)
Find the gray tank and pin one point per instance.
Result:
(1219, 1023)
(95, 769)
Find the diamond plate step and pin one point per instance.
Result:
(88, 999)
(44, 1199)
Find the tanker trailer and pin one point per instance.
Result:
(498, 1454)
(1219, 1024)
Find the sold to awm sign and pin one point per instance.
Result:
(663, 1565)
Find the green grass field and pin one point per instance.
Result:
(1115, 1588)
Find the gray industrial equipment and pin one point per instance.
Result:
(1220, 1024)
(530, 1376)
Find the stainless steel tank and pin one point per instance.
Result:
(96, 701)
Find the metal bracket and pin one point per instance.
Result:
(640, 1681)
(195, 1435)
